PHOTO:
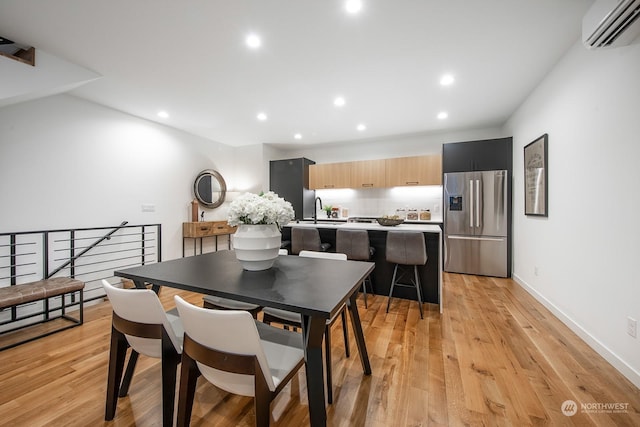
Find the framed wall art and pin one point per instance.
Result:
(536, 177)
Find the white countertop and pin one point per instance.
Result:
(434, 220)
(424, 228)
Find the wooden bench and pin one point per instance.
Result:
(42, 290)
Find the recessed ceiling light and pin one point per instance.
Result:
(339, 101)
(443, 115)
(253, 41)
(353, 6)
(361, 127)
(163, 114)
(447, 79)
(297, 136)
(262, 117)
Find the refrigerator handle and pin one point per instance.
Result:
(477, 203)
(471, 203)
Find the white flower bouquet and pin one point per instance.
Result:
(266, 208)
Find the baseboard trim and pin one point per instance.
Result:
(629, 372)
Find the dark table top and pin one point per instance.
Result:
(311, 286)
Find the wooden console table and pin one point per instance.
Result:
(202, 229)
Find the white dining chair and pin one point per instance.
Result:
(292, 319)
(258, 365)
(139, 321)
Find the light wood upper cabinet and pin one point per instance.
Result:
(329, 175)
(368, 174)
(420, 170)
(403, 171)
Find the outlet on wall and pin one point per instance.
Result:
(632, 327)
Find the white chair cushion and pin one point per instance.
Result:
(283, 350)
(229, 303)
(176, 324)
(282, 314)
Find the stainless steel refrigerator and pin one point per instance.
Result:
(475, 223)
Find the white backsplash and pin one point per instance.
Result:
(384, 201)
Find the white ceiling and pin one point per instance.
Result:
(188, 57)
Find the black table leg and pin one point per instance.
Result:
(312, 332)
(357, 331)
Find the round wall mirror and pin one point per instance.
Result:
(210, 188)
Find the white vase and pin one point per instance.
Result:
(257, 246)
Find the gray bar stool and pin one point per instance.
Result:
(355, 243)
(307, 239)
(406, 248)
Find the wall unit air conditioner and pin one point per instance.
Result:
(611, 23)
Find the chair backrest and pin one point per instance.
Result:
(406, 247)
(228, 331)
(304, 239)
(325, 255)
(142, 306)
(354, 243)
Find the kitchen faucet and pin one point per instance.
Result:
(315, 212)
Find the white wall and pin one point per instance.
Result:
(384, 148)
(52, 75)
(586, 251)
(377, 202)
(66, 163)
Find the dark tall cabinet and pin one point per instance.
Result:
(484, 155)
(477, 156)
(289, 178)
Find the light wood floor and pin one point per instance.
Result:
(495, 357)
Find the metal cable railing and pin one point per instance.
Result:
(86, 254)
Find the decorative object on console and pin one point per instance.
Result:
(194, 210)
(259, 219)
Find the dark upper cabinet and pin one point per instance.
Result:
(484, 155)
(289, 178)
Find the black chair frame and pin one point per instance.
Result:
(119, 344)
(268, 319)
(235, 363)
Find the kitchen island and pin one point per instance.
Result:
(430, 274)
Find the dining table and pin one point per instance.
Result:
(316, 288)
